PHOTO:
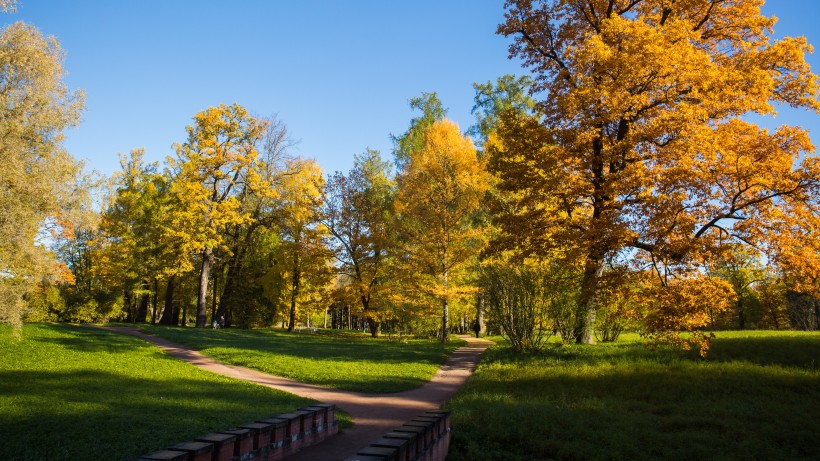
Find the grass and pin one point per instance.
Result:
(70, 393)
(342, 361)
(757, 396)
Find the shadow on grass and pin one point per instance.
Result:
(87, 414)
(789, 349)
(86, 339)
(626, 402)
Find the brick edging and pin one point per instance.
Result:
(269, 439)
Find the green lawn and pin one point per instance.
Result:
(78, 393)
(757, 396)
(350, 362)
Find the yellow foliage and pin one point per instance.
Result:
(640, 148)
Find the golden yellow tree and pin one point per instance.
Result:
(439, 192)
(298, 218)
(213, 168)
(645, 150)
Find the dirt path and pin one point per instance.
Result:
(373, 414)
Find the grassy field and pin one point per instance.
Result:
(350, 362)
(757, 396)
(71, 393)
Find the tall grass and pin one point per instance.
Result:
(757, 396)
(72, 393)
(349, 362)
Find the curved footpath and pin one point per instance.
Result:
(373, 414)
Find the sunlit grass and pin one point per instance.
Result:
(349, 362)
(756, 396)
(71, 393)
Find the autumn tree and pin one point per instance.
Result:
(36, 173)
(641, 148)
(357, 214)
(299, 221)
(439, 190)
(136, 246)
(213, 168)
(263, 207)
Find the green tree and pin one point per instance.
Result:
(357, 214)
(36, 173)
(491, 100)
(413, 139)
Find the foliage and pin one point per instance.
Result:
(349, 362)
(755, 396)
(213, 169)
(681, 306)
(516, 299)
(36, 173)
(357, 214)
(112, 396)
(510, 93)
(305, 259)
(439, 192)
(640, 148)
(413, 139)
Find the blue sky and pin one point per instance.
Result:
(338, 73)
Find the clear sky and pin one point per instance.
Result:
(338, 73)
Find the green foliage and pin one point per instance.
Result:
(508, 93)
(70, 393)
(413, 139)
(348, 362)
(757, 396)
(517, 298)
(36, 173)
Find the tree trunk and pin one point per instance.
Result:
(294, 292)
(168, 312)
(585, 323)
(202, 296)
(741, 314)
(214, 298)
(126, 301)
(142, 310)
(445, 313)
(480, 314)
(155, 310)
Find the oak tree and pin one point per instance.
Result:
(213, 168)
(641, 149)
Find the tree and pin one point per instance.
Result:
(261, 207)
(213, 168)
(743, 270)
(439, 192)
(357, 214)
(137, 246)
(640, 149)
(508, 93)
(299, 222)
(36, 173)
(413, 139)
